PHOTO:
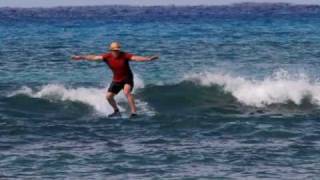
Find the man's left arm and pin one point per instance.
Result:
(143, 58)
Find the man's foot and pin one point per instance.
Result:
(133, 115)
(116, 113)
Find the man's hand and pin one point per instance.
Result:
(153, 57)
(76, 57)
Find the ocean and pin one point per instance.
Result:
(234, 95)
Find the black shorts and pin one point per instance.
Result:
(116, 87)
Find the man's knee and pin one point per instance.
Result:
(110, 96)
(127, 90)
(127, 93)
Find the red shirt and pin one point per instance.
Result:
(119, 66)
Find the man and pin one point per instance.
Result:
(118, 62)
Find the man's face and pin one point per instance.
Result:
(115, 53)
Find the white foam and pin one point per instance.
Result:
(280, 87)
(94, 97)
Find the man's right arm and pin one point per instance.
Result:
(88, 57)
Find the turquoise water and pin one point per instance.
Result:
(235, 94)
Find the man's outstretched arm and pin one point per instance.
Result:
(144, 58)
(87, 57)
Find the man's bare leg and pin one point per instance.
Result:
(112, 102)
(127, 91)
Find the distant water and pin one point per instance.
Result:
(235, 95)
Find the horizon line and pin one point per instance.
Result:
(164, 5)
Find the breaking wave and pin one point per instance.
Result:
(280, 88)
(94, 97)
(200, 93)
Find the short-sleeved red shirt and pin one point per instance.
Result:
(119, 66)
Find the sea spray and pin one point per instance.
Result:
(92, 96)
(281, 87)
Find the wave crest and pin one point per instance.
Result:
(280, 88)
(94, 97)
(202, 93)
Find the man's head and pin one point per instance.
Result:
(115, 48)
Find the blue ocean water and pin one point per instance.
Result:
(235, 94)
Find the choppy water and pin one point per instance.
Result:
(235, 95)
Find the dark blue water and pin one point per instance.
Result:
(235, 94)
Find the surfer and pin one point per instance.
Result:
(118, 62)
